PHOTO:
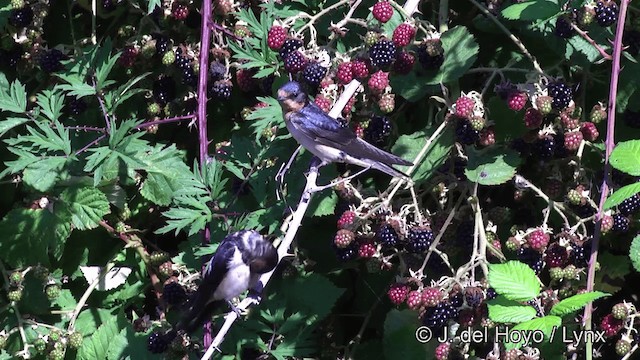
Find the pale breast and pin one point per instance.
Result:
(236, 281)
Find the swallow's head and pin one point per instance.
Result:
(291, 96)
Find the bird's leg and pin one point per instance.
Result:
(334, 183)
(316, 164)
(283, 171)
(235, 309)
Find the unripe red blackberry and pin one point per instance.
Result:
(179, 10)
(398, 293)
(343, 238)
(276, 37)
(382, 11)
(403, 35)
(387, 103)
(487, 137)
(323, 103)
(404, 62)
(538, 240)
(517, 100)
(344, 73)
(346, 219)
(589, 131)
(610, 325)
(572, 140)
(367, 250)
(532, 118)
(464, 107)
(442, 351)
(607, 224)
(431, 296)
(414, 299)
(378, 82)
(360, 68)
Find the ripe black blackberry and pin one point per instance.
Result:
(630, 206)
(50, 61)
(606, 14)
(163, 43)
(173, 293)
(531, 257)
(435, 318)
(164, 90)
(378, 130)
(294, 62)
(313, 74)
(188, 74)
(217, 70)
(473, 296)
(561, 94)
(534, 304)
(545, 147)
(157, 343)
(21, 17)
(387, 236)
(419, 239)
(491, 293)
(456, 300)
(580, 255)
(220, 89)
(431, 54)
(289, 46)
(75, 106)
(632, 119)
(620, 223)
(348, 253)
(563, 28)
(465, 133)
(382, 53)
(556, 256)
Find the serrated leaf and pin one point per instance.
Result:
(575, 302)
(502, 310)
(408, 147)
(87, 206)
(42, 175)
(9, 123)
(626, 157)
(531, 10)
(399, 338)
(621, 195)
(323, 205)
(15, 99)
(315, 294)
(166, 171)
(634, 253)
(97, 346)
(51, 104)
(579, 44)
(493, 166)
(514, 280)
(547, 325)
(617, 265)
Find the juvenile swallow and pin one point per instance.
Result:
(329, 140)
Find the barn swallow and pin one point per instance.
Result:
(328, 139)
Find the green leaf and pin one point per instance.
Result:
(166, 171)
(547, 325)
(314, 294)
(575, 302)
(152, 5)
(502, 310)
(621, 195)
(51, 103)
(579, 44)
(25, 230)
(87, 206)
(626, 157)
(634, 253)
(628, 85)
(9, 123)
(531, 10)
(408, 147)
(323, 205)
(492, 166)
(264, 117)
(618, 266)
(97, 346)
(399, 338)
(15, 99)
(514, 280)
(43, 174)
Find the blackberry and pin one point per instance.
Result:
(313, 74)
(75, 106)
(21, 17)
(630, 206)
(606, 15)
(620, 223)
(157, 343)
(173, 293)
(11, 57)
(378, 130)
(188, 74)
(491, 293)
(164, 90)
(534, 304)
(560, 150)
(217, 70)
(545, 147)
(419, 239)
(465, 133)
(382, 53)
(50, 61)
(632, 119)
(556, 256)
(294, 62)
(163, 43)
(435, 318)
(563, 28)
(289, 46)
(456, 300)
(431, 55)
(473, 296)
(580, 255)
(348, 253)
(387, 236)
(561, 94)
(221, 89)
(531, 257)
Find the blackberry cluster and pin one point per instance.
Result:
(606, 15)
(620, 223)
(220, 89)
(545, 147)
(531, 258)
(164, 90)
(50, 61)
(313, 74)
(217, 70)
(435, 318)
(378, 130)
(465, 133)
(563, 28)
(632, 119)
(163, 43)
(561, 94)
(75, 106)
(580, 255)
(348, 253)
(382, 53)
(419, 239)
(289, 46)
(157, 344)
(173, 293)
(630, 206)
(21, 17)
(387, 236)
(184, 65)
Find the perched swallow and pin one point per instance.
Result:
(326, 138)
(235, 267)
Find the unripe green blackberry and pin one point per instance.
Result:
(15, 294)
(168, 58)
(56, 354)
(570, 272)
(52, 291)
(17, 4)
(556, 273)
(166, 269)
(125, 214)
(623, 346)
(153, 109)
(15, 278)
(40, 345)
(54, 336)
(620, 311)
(3, 341)
(158, 257)
(120, 227)
(371, 37)
(75, 339)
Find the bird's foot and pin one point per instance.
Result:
(337, 182)
(236, 310)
